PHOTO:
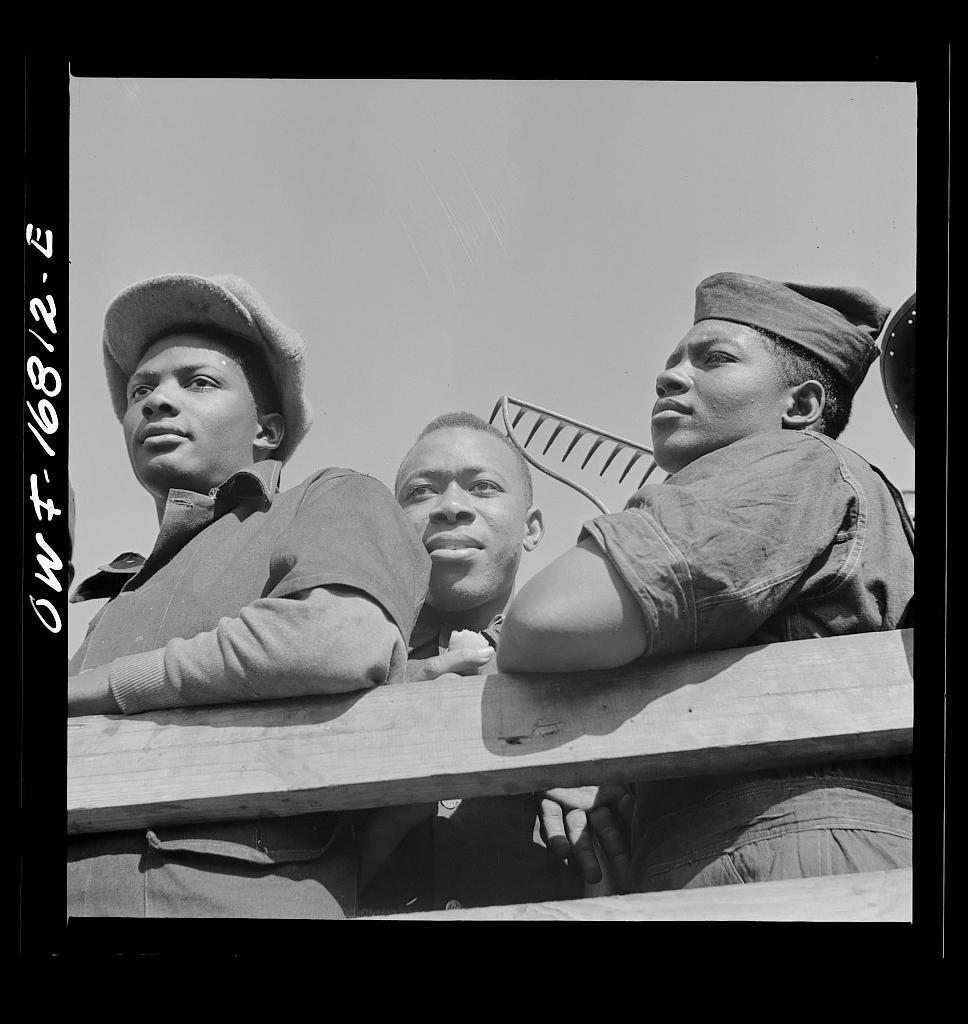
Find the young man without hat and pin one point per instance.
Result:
(766, 530)
(468, 494)
(250, 593)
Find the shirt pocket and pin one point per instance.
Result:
(260, 842)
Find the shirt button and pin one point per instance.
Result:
(453, 905)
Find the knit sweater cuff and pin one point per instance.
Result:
(139, 682)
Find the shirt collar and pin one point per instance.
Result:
(423, 635)
(260, 479)
(185, 514)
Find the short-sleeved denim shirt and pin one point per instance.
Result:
(780, 536)
(783, 535)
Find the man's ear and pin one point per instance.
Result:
(534, 529)
(806, 406)
(272, 427)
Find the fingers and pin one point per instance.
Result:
(614, 796)
(585, 798)
(489, 665)
(614, 843)
(464, 662)
(553, 830)
(577, 798)
(571, 817)
(580, 837)
(626, 807)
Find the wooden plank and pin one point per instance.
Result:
(781, 704)
(868, 896)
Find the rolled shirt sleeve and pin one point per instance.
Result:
(346, 578)
(713, 552)
(352, 532)
(332, 641)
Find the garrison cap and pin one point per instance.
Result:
(837, 324)
(147, 311)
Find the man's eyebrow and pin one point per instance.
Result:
(150, 375)
(435, 472)
(142, 375)
(699, 345)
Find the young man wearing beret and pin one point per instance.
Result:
(250, 593)
(765, 530)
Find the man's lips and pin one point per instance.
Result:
(669, 405)
(449, 543)
(157, 431)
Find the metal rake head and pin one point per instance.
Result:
(561, 426)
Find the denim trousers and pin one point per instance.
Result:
(775, 828)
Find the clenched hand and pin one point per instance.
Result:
(571, 817)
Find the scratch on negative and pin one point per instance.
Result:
(443, 206)
(404, 226)
(480, 202)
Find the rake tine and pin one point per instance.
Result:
(560, 422)
(591, 451)
(575, 440)
(551, 440)
(569, 421)
(648, 473)
(544, 469)
(608, 461)
(635, 458)
(534, 429)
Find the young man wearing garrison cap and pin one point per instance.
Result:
(765, 530)
(250, 593)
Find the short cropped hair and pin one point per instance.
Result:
(797, 365)
(251, 361)
(469, 421)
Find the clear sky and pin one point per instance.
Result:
(441, 243)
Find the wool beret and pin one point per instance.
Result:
(837, 324)
(150, 309)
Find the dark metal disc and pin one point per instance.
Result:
(897, 365)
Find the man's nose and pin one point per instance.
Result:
(160, 402)
(453, 506)
(671, 382)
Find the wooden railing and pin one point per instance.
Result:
(782, 704)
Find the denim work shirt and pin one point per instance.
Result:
(218, 560)
(783, 535)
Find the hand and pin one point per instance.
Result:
(571, 817)
(90, 693)
(452, 664)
